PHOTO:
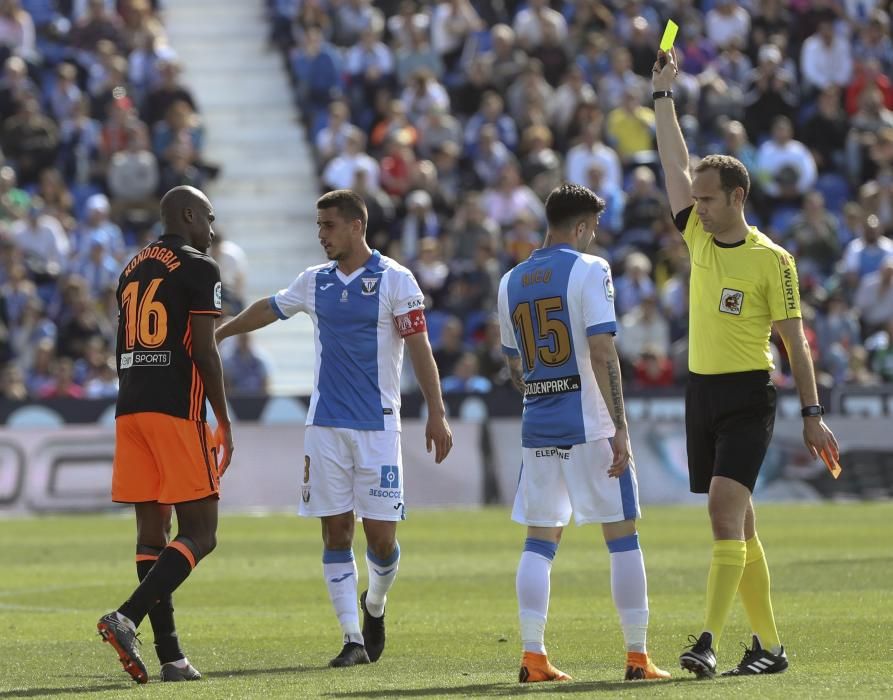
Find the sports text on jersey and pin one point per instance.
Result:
(163, 255)
(558, 385)
(158, 358)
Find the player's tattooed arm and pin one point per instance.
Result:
(616, 407)
(516, 373)
(606, 366)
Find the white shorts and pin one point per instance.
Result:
(555, 483)
(352, 470)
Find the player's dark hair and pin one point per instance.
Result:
(348, 203)
(732, 173)
(569, 203)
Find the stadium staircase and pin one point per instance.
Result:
(264, 198)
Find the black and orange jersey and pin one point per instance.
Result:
(158, 291)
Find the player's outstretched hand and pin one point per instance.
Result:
(225, 446)
(818, 437)
(623, 453)
(438, 435)
(663, 76)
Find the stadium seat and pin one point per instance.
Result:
(836, 191)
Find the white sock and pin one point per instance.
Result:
(340, 571)
(382, 573)
(629, 589)
(532, 586)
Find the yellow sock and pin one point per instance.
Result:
(729, 557)
(754, 592)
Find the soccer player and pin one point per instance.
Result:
(556, 315)
(165, 456)
(742, 284)
(364, 307)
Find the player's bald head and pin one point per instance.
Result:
(179, 199)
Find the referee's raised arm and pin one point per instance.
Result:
(670, 143)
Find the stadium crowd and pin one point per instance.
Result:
(94, 125)
(455, 118)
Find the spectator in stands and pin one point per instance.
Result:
(874, 42)
(341, 170)
(643, 328)
(62, 385)
(492, 112)
(618, 80)
(837, 332)
(871, 118)
(634, 284)
(451, 346)
(491, 156)
(507, 60)
(140, 26)
(14, 201)
(431, 270)
(102, 383)
(643, 208)
(400, 25)
(874, 298)
(98, 266)
(466, 377)
(39, 374)
(233, 264)
(170, 90)
(814, 238)
(32, 329)
(826, 58)
(419, 229)
(652, 369)
(422, 94)
(98, 226)
(43, 242)
(771, 92)
(180, 169)
(89, 30)
(786, 169)
(491, 360)
(246, 370)
(471, 225)
(825, 132)
(630, 129)
(331, 138)
(65, 93)
(352, 18)
(510, 198)
(132, 177)
(530, 90)
(866, 254)
(56, 196)
(534, 21)
(17, 34)
(452, 22)
(15, 86)
(370, 66)
(553, 54)
(436, 128)
(417, 53)
(567, 97)
(12, 384)
(30, 139)
(591, 151)
(540, 164)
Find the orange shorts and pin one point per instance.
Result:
(162, 458)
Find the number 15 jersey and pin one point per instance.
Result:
(158, 291)
(549, 305)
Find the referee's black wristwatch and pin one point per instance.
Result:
(815, 411)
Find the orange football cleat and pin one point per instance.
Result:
(536, 668)
(640, 668)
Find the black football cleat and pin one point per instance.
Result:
(373, 631)
(170, 672)
(758, 661)
(123, 640)
(352, 654)
(699, 658)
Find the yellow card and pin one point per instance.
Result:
(669, 37)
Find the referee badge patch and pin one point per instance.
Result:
(731, 302)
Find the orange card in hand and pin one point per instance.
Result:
(831, 463)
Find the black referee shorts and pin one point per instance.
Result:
(729, 420)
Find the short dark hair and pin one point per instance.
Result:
(732, 173)
(348, 203)
(568, 202)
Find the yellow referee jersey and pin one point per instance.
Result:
(736, 292)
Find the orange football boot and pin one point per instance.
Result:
(536, 668)
(640, 668)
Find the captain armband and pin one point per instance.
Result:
(411, 323)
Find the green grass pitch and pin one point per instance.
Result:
(256, 620)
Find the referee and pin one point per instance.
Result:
(741, 285)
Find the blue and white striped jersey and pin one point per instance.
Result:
(548, 307)
(359, 351)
